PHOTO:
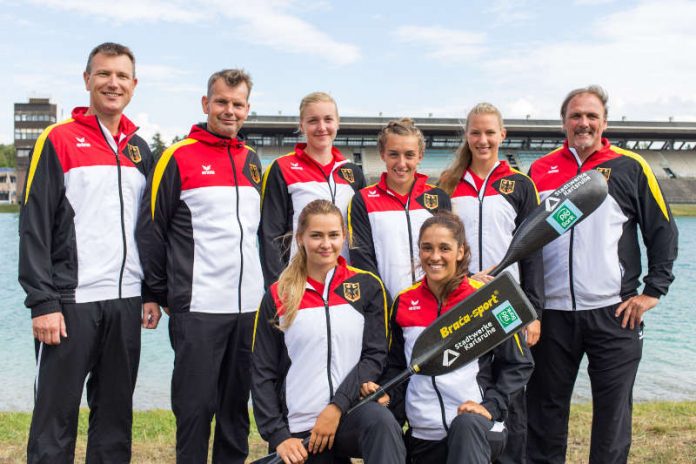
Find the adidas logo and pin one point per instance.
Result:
(82, 143)
(553, 169)
(206, 170)
(296, 166)
(415, 305)
(373, 194)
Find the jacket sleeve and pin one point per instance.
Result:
(531, 267)
(44, 194)
(362, 247)
(511, 370)
(373, 357)
(268, 370)
(360, 182)
(160, 203)
(275, 230)
(660, 234)
(396, 364)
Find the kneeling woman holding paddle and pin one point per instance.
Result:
(459, 416)
(321, 332)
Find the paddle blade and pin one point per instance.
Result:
(475, 326)
(565, 208)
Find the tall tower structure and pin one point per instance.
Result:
(30, 119)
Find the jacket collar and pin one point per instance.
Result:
(125, 125)
(418, 187)
(201, 133)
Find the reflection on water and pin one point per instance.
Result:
(666, 371)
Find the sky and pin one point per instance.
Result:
(393, 58)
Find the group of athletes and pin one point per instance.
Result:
(308, 288)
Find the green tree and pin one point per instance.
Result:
(8, 156)
(157, 145)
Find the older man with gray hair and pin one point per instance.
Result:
(591, 282)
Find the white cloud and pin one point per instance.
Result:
(128, 10)
(509, 11)
(632, 53)
(268, 23)
(147, 128)
(443, 44)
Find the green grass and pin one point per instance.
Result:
(9, 208)
(663, 432)
(683, 209)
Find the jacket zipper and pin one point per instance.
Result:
(406, 206)
(120, 199)
(241, 231)
(437, 390)
(481, 196)
(570, 259)
(327, 312)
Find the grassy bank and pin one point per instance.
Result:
(683, 209)
(663, 432)
(9, 208)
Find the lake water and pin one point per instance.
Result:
(667, 371)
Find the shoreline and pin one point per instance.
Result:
(662, 432)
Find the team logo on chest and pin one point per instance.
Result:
(606, 172)
(507, 186)
(351, 291)
(134, 153)
(430, 201)
(348, 174)
(254, 171)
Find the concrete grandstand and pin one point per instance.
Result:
(668, 147)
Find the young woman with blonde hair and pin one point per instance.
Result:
(321, 333)
(313, 170)
(493, 199)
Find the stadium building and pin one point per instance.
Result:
(669, 147)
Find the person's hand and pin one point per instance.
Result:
(483, 275)
(532, 332)
(292, 451)
(634, 308)
(369, 388)
(474, 407)
(49, 328)
(324, 430)
(151, 315)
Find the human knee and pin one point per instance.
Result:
(467, 423)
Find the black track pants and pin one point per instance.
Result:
(471, 439)
(212, 376)
(104, 342)
(613, 356)
(516, 423)
(370, 432)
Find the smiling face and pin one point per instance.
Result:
(319, 123)
(439, 255)
(584, 124)
(322, 240)
(110, 82)
(227, 108)
(401, 155)
(484, 135)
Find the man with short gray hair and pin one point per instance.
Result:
(591, 284)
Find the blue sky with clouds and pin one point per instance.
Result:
(438, 57)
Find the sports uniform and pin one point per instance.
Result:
(437, 434)
(337, 341)
(198, 239)
(491, 210)
(78, 256)
(384, 226)
(289, 184)
(588, 272)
